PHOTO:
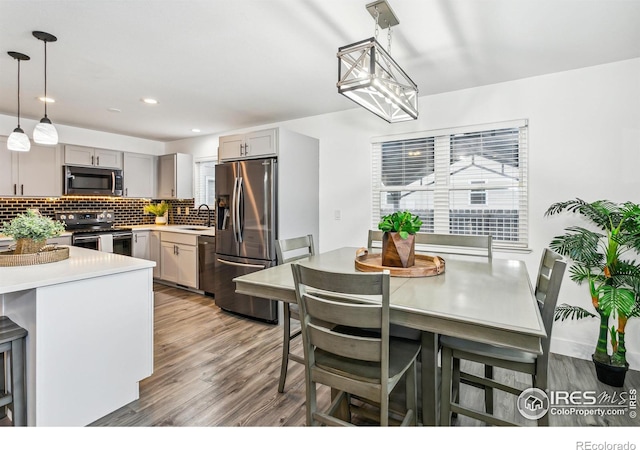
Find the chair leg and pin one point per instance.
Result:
(411, 393)
(18, 383)
(285, 347)
(455, 384)
(445, 397)
(488, 391)
(3, 409)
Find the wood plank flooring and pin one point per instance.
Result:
(212, 368)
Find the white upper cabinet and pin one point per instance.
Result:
(175, 176)
(256, 144)
(75, 155)
(36, 173)
(139, 175)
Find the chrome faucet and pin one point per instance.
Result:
(208, 213)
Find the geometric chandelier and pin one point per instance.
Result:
(368, 75)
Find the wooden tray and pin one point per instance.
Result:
(47, 254)
(425, 265)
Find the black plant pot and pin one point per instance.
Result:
(611, 375)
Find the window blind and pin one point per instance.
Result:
(205, 182)
(471, 180)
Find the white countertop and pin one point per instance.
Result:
(4, 238)
(82, 264)
(187, 229)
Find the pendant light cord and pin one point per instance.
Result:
(18, 93)
(46, 99)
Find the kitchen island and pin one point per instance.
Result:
(90, 325)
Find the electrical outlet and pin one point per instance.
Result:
(186, 210)
(179, 210)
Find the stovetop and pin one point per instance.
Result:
(89, 221)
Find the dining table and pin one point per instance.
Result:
(488, 300)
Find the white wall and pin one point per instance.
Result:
(89, 138)
(584, 131)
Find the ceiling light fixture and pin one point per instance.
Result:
(368, 75)
(18, 141)
(150, 101)
(45, 133)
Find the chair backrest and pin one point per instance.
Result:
(328, 311)
(550, 275)
(443, 243)
(293, 249)
(375, 239)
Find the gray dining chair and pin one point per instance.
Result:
(348, 348)
(288, 250)
(443, 243)
(455, 350)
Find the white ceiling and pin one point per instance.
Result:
(220, 65)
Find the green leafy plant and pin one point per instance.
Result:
(32, 225)
(157, 209)
(614, 282)
(402, 222)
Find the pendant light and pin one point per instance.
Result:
(45, 133)
(368, 75)
(18, 141)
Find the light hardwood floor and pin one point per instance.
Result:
(212, 368)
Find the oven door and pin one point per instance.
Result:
(122, 242)
(89, 241)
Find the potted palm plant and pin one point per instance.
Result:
(398, 239)
(600, 261)
(159, 210)
(31, 231)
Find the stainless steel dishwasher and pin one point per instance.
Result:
(206, 262)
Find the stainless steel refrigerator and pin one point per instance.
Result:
(246, 230)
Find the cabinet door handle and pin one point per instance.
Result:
(135, 237)
(126, 192)
(177, 250)
(15, 189)
(92, 160)
(246, 149)
(97, 161)
(172, 193)
(22, 189)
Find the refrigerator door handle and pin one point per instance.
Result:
(233, 209)
(231, 263)
(239, 200)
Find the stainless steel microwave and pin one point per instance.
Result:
(92, 181)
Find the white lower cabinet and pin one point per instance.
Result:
(179, 259)
(140, 247)
(154, 251)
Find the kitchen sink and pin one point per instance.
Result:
(195, 228)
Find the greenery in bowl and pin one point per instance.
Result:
(401, 222)
(32, 225)
(157, 209)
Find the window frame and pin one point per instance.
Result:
(512, 229)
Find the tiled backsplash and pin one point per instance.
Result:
(128, 211)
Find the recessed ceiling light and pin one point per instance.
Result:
(114, 110)
(46, 99)
(150, 101)
(196, 130)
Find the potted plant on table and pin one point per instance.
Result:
(614, 282)
(159, 210)
(398, 239)
(31, 231)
